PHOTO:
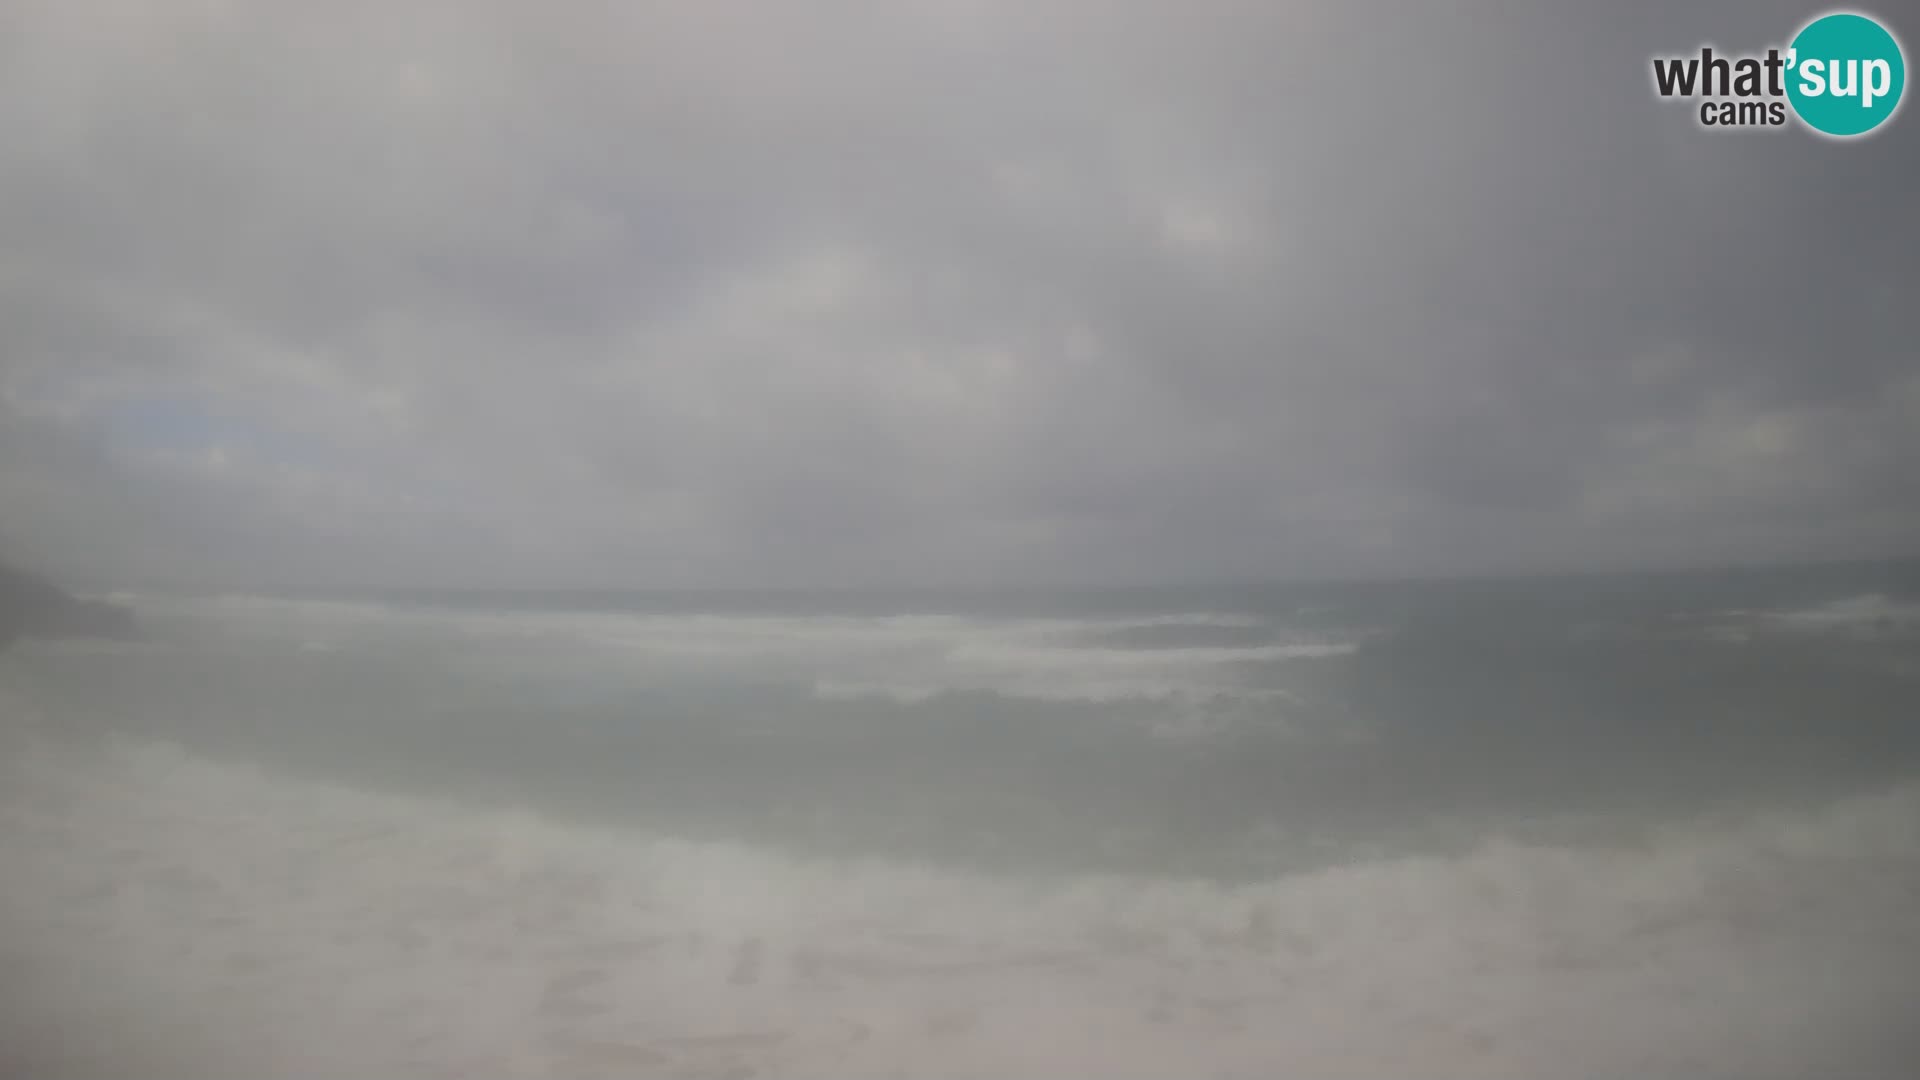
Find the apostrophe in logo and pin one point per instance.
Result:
(1842, 75)
(1846, 74)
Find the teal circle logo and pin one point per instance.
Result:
(1845, 74)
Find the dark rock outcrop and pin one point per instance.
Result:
(31, 607)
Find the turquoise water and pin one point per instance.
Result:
(1666, 824)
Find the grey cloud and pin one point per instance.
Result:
(845, 293)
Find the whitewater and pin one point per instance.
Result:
(315, 837)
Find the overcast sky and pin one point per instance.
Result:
(946, 292)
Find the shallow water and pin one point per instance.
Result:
(1559, 829)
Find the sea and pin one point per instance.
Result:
(1657, 824)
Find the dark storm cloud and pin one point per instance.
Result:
(857, 293)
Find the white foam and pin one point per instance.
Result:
(208, 918)
(903, 658)
(1852, 612)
